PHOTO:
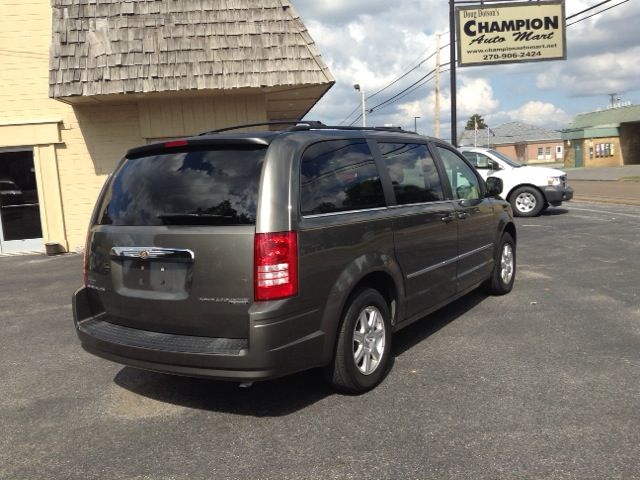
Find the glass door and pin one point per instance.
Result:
(577, 147)
(20, 229)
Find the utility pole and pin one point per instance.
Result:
(364, 110)
(415, 124)
(452, 70)
(436, 113)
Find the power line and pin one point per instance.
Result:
(415, 67)
(406, 89)
(587, 9)
(412, 88)
(347, 117)
(406, 73)
(597, 13)
(416, 87)
(372, 109)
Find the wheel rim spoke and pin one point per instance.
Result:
(366, 363)
(375, 355)
(358, 354)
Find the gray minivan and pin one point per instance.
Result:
(247, 256)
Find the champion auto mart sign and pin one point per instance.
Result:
(510, 33)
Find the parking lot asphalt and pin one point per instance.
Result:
(541, 383)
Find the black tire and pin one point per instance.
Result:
(526, 202)
(503, 276)
(345, 372)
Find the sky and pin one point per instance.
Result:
(373, 42)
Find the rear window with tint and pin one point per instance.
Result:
(216, 186)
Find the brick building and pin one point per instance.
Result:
(84, 80)
(604, 138)
(520, 141)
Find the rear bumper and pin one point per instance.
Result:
(269, 352)
(556, 195)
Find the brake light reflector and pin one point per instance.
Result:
(176, 143)
(275, 261)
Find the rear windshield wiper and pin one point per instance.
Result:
(196, 219)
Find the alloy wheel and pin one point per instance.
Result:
(368, 340)
(506, 263)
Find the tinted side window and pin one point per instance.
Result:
(413, 173)
(339, 175)
(463, 180)
(216, 186)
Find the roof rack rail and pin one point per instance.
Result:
(302, 125)
(310, 123)
(340, 127)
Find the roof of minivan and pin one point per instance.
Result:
(265, 137)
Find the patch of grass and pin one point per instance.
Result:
(630, 178)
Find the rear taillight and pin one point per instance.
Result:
(275, 261)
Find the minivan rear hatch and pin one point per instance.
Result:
(171, 247)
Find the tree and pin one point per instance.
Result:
(471, 123)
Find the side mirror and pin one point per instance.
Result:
(494, 186)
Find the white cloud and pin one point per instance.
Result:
(475, 95)
(356, 31)
(542, 114)
(596, 75)
(373, 42)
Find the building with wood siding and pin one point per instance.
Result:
(84, 80)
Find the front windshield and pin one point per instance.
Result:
(506, 159)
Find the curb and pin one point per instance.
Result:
(606, 200)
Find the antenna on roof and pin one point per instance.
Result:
(615, 100)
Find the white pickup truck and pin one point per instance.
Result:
(529, 189)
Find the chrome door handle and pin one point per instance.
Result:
(448, 218)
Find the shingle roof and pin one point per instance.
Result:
(510, 133)
(611, 117)
(138, 46)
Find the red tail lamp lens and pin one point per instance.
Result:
(275, 265)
